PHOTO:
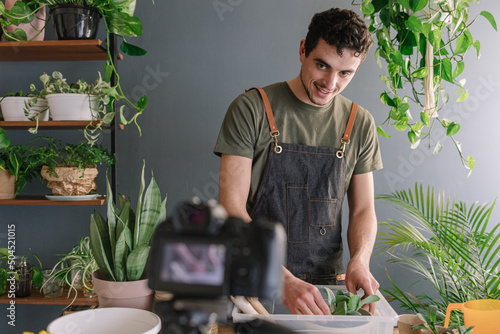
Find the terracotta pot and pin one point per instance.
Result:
(32, 28)
(69, 180)
(7, 185)
(134, 294)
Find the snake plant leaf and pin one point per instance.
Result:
(136, 262)
(122, 250)
(111, 214)
(139, 207)
(101, 248)
(150, 212)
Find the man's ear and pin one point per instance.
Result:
(302, 50)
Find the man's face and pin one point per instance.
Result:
(324, 74)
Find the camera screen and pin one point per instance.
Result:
(194, 263)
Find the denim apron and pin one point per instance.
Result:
(303, 188)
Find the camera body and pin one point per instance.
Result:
(201, 253)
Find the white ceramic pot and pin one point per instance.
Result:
(73, 107)
(13, 109)
(134, 294)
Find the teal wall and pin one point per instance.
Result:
(199, 60)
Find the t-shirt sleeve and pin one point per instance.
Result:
(369, 158)
(237, 133)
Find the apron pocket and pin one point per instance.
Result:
(323, 212)
(297, 212)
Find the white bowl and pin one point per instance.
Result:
(13, 109)
(73, 107)
(113, 320)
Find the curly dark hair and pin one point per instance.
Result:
(341, 28)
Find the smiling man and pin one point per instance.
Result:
(291, 151)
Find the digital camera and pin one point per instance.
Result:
(199, 252)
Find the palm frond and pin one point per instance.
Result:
(447, 243)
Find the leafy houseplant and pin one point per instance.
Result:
(76, 160)
(447, 243)
(75, 268)
(21, 13)
(341, 303)
(429, 325)
(119, 21)
(121, 243)
(423, 44)
(24, 107)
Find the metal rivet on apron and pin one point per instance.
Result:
(322, 231)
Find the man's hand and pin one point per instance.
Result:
(358, 276)
(301, 297)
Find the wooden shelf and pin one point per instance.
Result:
(37, 298)
(41, 200)
(71, 50)
(48, 125)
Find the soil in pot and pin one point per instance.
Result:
(75, 22)
(69, 180)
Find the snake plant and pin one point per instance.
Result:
(121, 244)
(447, 243)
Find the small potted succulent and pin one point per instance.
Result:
(70, 169)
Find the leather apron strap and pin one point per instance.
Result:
(275, 132)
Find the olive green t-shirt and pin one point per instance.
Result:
(245, 131)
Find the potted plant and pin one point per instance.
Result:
(121, 246)
(16, 169)
(20, 107)
(428, 324)
(421, 45)
(447, 243)
(75, 269)
(22, 20)
(70, 169)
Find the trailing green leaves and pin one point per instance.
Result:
(420, 45)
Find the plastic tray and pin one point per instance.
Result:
(382, 322)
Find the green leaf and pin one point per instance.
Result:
(149, 213)
(367, 8)
(101, 248)
(132, 50)
(421, 73)
(463, 97)
(435, 38)
(397, 58)
(477, 46)
(124, 25)
(142, 103)
(330, 297)
(401, 125)
(354, 303)
(370, 299)
(341, 308)
(446, 70)
(4, 141)
(425, 118)
(385, 99)
(464, 42)
(108, 118)
(490, 18)
(136, 262)
(20, 34)
(403, 107)
(413, 23)
(404, 3)
(452, 129)
(419, 5)
(385, 17)
(459, 69)
(108, 71)
(393, 69)
(19, 13)
(412, 137)
(382, 133)
(471, 162)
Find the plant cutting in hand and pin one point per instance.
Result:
(423, 44)
(347, 303)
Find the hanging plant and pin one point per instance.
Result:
(423, 44)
